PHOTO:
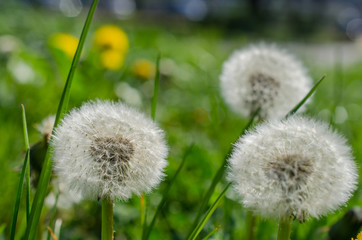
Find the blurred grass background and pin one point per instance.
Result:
(190, 108)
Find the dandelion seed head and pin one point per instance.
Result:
(106, 149)
(297, 167)
(266, 77)
(46, 126)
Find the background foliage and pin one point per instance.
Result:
(190, 109)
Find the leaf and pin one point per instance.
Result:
(165, 193)
(155, 88)
(219, 175)
(211, 233)
(21, 180)
(309, 94)
(208, 214)
(52, 216)
(63, 105)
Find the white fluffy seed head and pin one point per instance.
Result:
(107, 149)
(46, 126)
(266, 77)
(296, 167)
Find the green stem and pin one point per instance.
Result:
(107, 219)
(285, 226)
(27, 146)
(251, 220)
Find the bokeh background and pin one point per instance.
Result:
(38, 39)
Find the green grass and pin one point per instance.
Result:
(189, 108)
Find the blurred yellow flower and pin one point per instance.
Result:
(111, 37)
(143, 68)
(111, 59)
(64, 42)
(359, 236)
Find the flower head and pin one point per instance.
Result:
(265, 77)
(64, 42)
(143, 68)
(46, 126)
(112, 44)
(106, 149)
(111, 59)
(359, 236)
(293, 167)
(111, 37)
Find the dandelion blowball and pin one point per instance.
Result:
(296, 167)
(107, 149)
(266, 77)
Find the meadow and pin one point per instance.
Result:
(200, 127)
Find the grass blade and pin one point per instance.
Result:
(211, 233)
(52, 217)
(21, 180)
(47, 165)
(218, 176)
(309, 94)
(27, 146)
(165, 193)
(155, 88)
(153, 116)
(208, 214)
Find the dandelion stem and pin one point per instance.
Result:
(251, 220)
(285, 226)
(107, 219)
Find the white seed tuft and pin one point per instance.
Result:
(296, 167)
(266, 77)
(107, 149)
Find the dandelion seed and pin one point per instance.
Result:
(109, 150)
(46, 127)
(296, 167)
(265, 77)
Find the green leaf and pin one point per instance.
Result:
(165, 193)
(153, 116)
(27, 146)
(208, 214)
(155, 88)
(218, 176)
(62, 108)
(2, 228)
(52, 217)
(21, 180)
(309, 94)
(211, 233)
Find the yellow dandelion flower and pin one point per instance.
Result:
(64, 42)
(143, 68)
(111, 37)
(111, 59)
(359, 236)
